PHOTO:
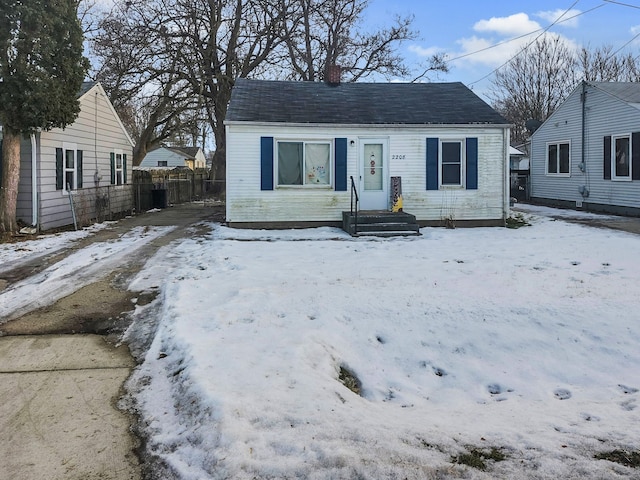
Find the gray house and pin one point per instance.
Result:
(587, 154)
(79, 173)
(293, 149)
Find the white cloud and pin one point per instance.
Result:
(566, 20)
(635, 30)
(513, 25)
(424, 52)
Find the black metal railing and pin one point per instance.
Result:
(354, 196)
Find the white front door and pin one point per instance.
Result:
(374, 181)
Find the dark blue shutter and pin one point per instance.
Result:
(341, 164)
(266, 163)
(124, 168)
(0, 162)
(432, 163)
(472, 163)
(635, 155)
(113, 168)
(607, 158)
(79, 168)
(59, 169)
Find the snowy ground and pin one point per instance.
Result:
(521, 340)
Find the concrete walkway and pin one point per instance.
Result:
(58, 421)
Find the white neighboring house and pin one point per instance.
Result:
(292, 148)
(190, 157)
(79, 173)
(587, 153)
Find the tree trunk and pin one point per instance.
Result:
(10, 179)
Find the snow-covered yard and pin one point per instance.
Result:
(522, 341)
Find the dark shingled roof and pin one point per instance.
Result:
(358, 103)
(86, 86)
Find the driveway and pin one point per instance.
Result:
(62, 372)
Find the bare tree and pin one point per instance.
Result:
(604, 65)
(320, 33)
(534, 83)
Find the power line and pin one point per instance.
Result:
(623, 4)
(545, 30)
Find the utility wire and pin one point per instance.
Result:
(623, 4)
(544, 30)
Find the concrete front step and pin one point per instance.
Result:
(380, 223)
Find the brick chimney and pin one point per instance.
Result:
(333, 74)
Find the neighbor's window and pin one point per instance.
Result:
(304, 163)
(118, 169)
(68, 167)
(162, 163)
(558, 158)
(451, 162)
(621, 158)
(69, 170)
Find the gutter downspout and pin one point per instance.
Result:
(34, 181)
(506, 196)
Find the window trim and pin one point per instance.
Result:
(69, 147)
(463, 163)
(557, 143)
(614, 176)
(276, 164)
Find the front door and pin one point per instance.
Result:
(374, 183)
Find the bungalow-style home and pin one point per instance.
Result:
(163, 156)
(587, 153)
(80, 173)
(298, 152)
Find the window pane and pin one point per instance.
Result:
(373, 166)
(552, 165)
(289, 163)
(69, 159)
(451, 163)
(451, 174)
(118, 161)
(316, 163)
(622, 157)
(451, 152)
(68, 181)
(119, 177)
(564, 158)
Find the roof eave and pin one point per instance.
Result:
(367, 125)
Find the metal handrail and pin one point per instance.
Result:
(354, 193)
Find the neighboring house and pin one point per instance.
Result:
(519, 166)
(191, 157)
(78, 173)
(293, 146)
(587, 154)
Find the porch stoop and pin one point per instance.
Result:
(380, 223)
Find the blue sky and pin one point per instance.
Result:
(460, 27)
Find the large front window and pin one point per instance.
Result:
(451, 163)
(558, 155)
(304, 163)
(621, 157)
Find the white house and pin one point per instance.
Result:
(78, 173)
(191, 157)
(293, 149)
(587, 153)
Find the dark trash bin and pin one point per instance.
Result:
(159, 198)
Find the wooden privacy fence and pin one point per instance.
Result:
(161, 187)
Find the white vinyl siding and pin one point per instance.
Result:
(97, 132)
(246, 202)
(606, 117)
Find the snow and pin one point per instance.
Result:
(63, 278)
(524, 340)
